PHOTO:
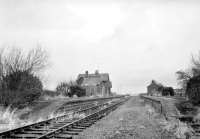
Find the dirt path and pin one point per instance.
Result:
(133, 120)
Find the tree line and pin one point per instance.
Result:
(189, 79)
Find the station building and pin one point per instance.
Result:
(154, 89)
(96, 84)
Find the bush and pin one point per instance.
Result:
(18, 99)
(21, 80)
(63, 88)
(193, 89)
(168, 91)
(18, 84)
(76, 90)
(19, 89)
(70, 89)
(186, 107)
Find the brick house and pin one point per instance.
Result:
(154, 89)
(96, 84)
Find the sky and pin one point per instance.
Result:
(134, 41)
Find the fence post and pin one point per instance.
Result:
(161, 109)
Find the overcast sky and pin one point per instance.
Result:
(133, 40)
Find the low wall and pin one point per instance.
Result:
(156, 104)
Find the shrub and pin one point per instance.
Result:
(19, 84)
(76, 90)
(63, 88)
(18, 99)
(186, 107)
(168, 91)
(21, 80)
(19, 89)
(193, 90)
(70, 89)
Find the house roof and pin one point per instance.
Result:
(94, 79)
(154, 83)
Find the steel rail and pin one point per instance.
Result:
(100, 113)
(83, 101)
(93, 99)
(75, 106)
(45, 121)
(49, 121)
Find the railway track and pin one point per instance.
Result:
(62, 126)
(79, 106)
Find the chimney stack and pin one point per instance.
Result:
(96, 72)
(86, 73)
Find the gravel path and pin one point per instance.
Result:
(133, 120)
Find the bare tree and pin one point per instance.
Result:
(36, 60)
(184, 76)
(1, 68)
(19, 81)
(12, 60)
(196, 65)
(15, 60)
(16, 64)
(63, 87)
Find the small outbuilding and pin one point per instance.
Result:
(157, 89)
(154, 89)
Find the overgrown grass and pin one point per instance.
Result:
(186, 107)
(10, 118)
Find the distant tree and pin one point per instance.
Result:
(168, 91)
(63, 88)
(171, 90)
(183, 77)
(76, 90)
(189, 80)
(196, 65)
(80, 80)
(160, 88)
